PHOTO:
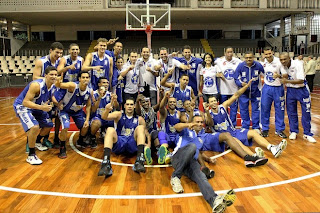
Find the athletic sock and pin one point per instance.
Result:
(62, 144)
(140, 150)
(269, 146)
(107, 153)
(46, 136)
(32, 151)
(39, 137)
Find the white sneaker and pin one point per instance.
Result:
(176, 185)
(41, 147)
(309, 138)
(276, 150)
(293, 136)
(259, 152)
(222, 201)
(34, 160)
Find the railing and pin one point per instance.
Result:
(182, 3)
(272, 40)
(245, 3)
(245, 49)
(118, 3)
(278, 3)
(210, 3)
(28, 5)
(34, 52)
(314, 49)
(309, 4)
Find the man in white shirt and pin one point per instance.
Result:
(130, 72)
(149, 76)
(227, 87)
(310, 71)
(272, 91)
(166, 63)
(297, 91)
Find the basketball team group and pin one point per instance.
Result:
(193, 109)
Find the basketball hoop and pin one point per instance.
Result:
(148, 28)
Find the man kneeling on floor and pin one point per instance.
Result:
(128, 137)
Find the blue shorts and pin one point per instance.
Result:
(78, 117)
(211, 142)
(104, 123)
(242, 135)
(30, 118)
(125, 144)
(172, 139)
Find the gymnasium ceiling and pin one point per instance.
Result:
(116, 16)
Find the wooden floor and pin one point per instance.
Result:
(77, 176)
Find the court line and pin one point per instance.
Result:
(136, 197)
(5, 99)
(99, 160)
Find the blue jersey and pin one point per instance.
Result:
(187, 136)
(73, 101)
(103, 102)
(126, 126)
(103, 72)
(196, 112)
(221, 120)
(46, 62)
(119, 85)
(72, 75)
(193, 73)
(44, 94)
(181, 96)
(171, 120)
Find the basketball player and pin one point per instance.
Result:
(272, 91)
(99, 63)
(117, 81)
(70, 65)
(128, 136)
(297, 91)
(56, 51)
(227, 86)
(194, 71)
(100, 99)
(222, 123)
(32, 107)
(74, 96)
(181, 90)
(247, 70)
(166, 63)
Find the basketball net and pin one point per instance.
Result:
(148, 31)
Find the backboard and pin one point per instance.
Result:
(137, 16)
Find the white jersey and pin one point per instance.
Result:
(228, 68)
(295, 72)
(133, 79)
(165, 68)
(147, 76)
(209, 80)
(270, 69)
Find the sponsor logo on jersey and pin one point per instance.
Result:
(256, 72)
(134, 79)
(228, 74)
(269, 77)
(208, 82)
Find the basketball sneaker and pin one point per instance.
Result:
(105, 169)
(176, 185)
(276, 150)
(281, 134)
(209, 173)
(63, 153)
(168, 158)
(265, 133)
(41, 147)
(222, 201)
(259, 152)
(147, 155)
(34, 160)
(309, 138)
(139, 164)
(293, 136)
(162, 153)
(252, 161)
(47, 143)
